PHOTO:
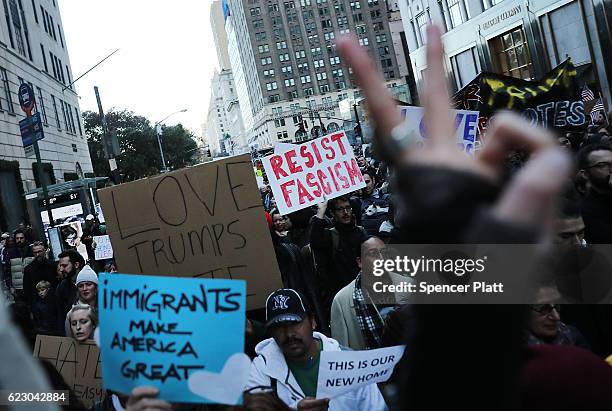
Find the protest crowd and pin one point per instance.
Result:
(523, 186)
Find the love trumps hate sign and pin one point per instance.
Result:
(344, 371)
(205, 221)
(184, 336)
(307, 174)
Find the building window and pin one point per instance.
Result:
(59, 31)
(305, 3)
(319, 64)
(511, 54)
(454, 10)
(7, 92)
(268, 73)
(361, 29)
(315, 51)
(342, 21)
(283, 57)
(41, 103)
(255, 11)
(56, 112)
(64, 115)
(326, 24)
(334, 60)
(355, 5)
(383, 51)
(308, 91)
(422, 21)
(372, 3)
(289, 82)
(76, 112)
(271, 86)
(308, 14)
(272, 8)
(276, 21)
(324, 88)
(329, 36)
(337, 73)
(381, 38)
(324, 11)
(292, 94)
(275, 98)
(289, 4)
(266, 60)
(281, 45)
(300, 54)
(305, 79)
(378, 26)
(258, 24)
(358, 17)
(302, 67)
(42, 50)
(264, 48)
(322, 76)
(364, 41)
(339, 8)
(261, 36)
(375, 14)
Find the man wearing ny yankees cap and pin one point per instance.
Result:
(288, 363)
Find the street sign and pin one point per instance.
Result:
(26, 98)
(29, 151)
(31, 128)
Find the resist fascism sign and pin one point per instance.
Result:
(304, 175)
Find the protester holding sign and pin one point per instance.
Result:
(81, 321)
(335, 248)
(288, 363)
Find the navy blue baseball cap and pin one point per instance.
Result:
(285, 305)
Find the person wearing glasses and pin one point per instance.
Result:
(545, 327)
(358, 313)
(336, 246)
(595, 165)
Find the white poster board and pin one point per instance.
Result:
(307, 174)
(104, 249)
(344, 371)
(466, 125)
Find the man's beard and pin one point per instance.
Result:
(602, 185)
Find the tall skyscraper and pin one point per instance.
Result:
(217, 24)
(288, 73)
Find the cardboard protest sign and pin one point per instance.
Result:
(204, 221)
(552, 101)
(78, 363)
(307, 174)
(466, 125)
(104, 249)
(344, 371)
(184, 336)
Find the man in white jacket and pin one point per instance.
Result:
(288, 363)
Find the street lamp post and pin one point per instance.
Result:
(158, 131)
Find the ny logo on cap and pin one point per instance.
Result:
(280, 302)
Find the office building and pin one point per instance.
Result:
(33, 49)
(287, 68)
(514, 38)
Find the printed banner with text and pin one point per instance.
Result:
(203, 221)
(466, 125)
(553, 101)
(182, 335)
(344, 371)
(307, 174)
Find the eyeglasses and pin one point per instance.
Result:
(377, 252)
(348, 209)
(602, 166)
(545, 309)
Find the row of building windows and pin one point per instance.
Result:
(70, 115)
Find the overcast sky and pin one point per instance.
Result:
(165, 62)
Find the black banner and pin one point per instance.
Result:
(552, 102)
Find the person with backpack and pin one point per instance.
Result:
(335, 246)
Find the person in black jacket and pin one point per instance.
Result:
(41, 268)
(70, 263)
(44, 309)
(595, 164)
(336, 247)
